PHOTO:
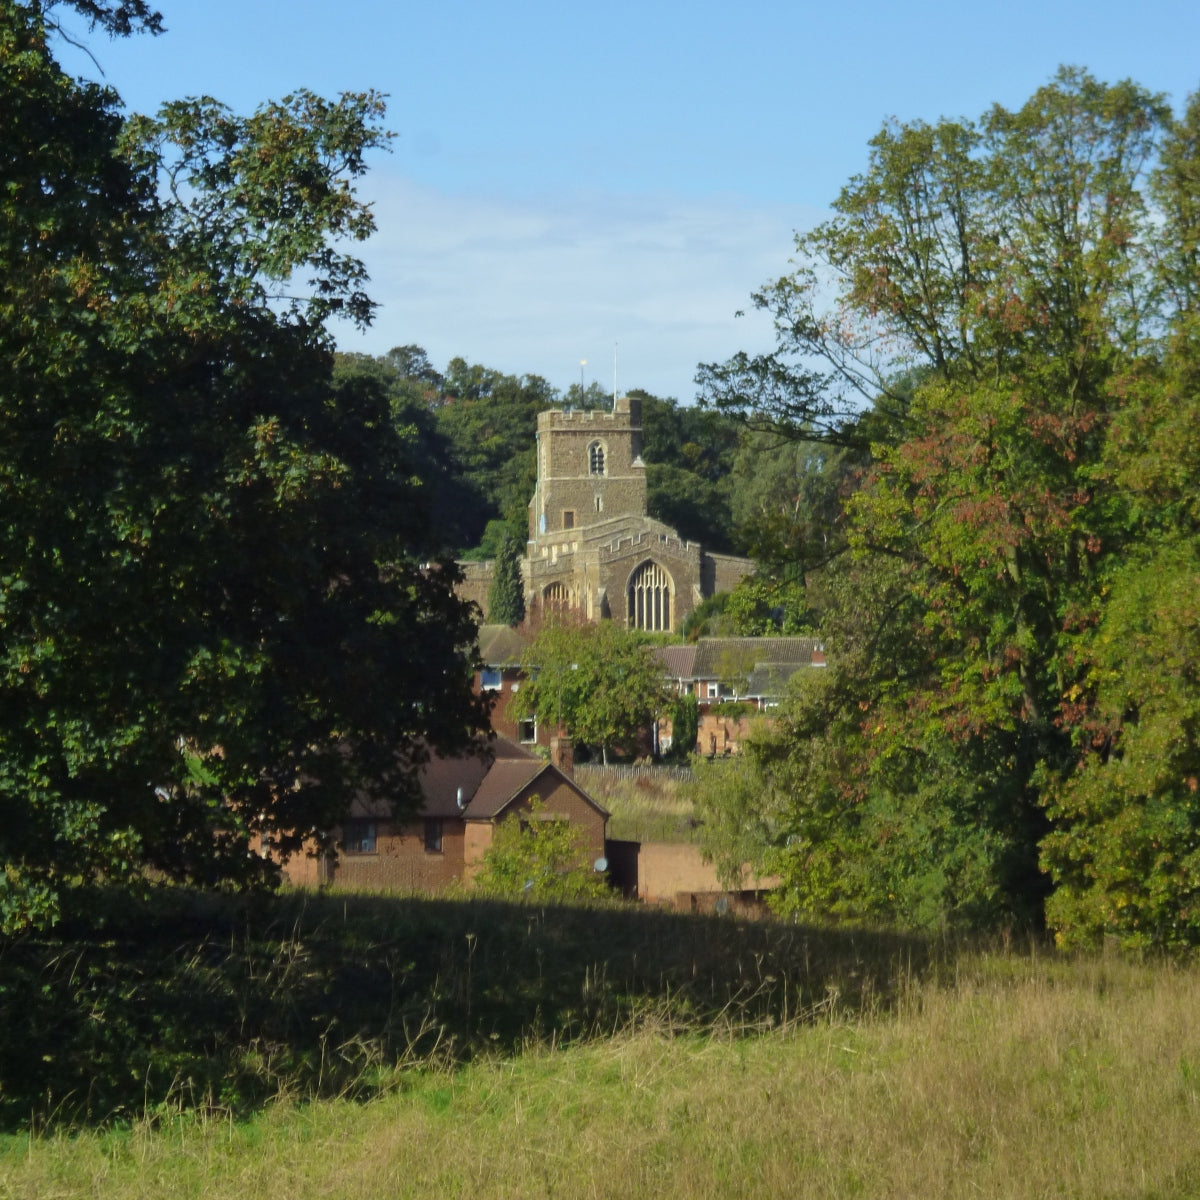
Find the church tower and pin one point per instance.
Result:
(593, 550)
(589, 469)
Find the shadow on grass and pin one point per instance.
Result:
(197, 1001)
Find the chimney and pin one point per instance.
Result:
(562, 755)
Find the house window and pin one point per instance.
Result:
(596, 458)
(568, 518)
(599, 503)
(358, 837)
(527, 730)
(433, 837)
(714, 691)
(489, 679)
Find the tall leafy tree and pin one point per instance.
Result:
(599, 682)
(210, 560)
(992, 284)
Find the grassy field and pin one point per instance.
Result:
(647, 808)
(706, 1058)
(1021, 1079)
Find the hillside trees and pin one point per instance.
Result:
(482, 452)
(689, 457)
(209, 562)
(450, 500)
(998, 292)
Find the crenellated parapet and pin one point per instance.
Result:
(593, 548)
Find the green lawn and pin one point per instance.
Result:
(374, 1047)
(1020, 1079)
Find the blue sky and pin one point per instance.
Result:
(567, 178)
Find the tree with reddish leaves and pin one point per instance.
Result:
(999, 310)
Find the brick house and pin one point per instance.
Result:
(500, 678)
(742, 670)
(463, 800)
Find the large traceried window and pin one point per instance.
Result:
(650, 598)
(596, 458)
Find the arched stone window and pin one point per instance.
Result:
(558, 598)
(650, 591)
(596, 458)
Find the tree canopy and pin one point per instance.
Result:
(210, 563)
(599, 682)
(539, 858)
(999, 323)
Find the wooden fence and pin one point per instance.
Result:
(597, 771)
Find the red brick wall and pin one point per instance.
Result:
(668, 870)
(502, 723)
(561, 800)
(401, 862)
(721, 735)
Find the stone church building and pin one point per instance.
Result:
(592, 548)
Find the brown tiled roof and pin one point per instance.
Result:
(714, 653)
(440, 778)
(490, 780)
(503, 782)
(500, 645)
(491, 777)
(678, 662)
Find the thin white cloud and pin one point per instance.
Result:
(534, 287)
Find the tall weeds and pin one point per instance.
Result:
(226, 1004)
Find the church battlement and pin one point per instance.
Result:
(650, 542)
(625, 416)
(593, 549)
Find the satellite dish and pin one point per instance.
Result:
(601, 864)
(460, 800)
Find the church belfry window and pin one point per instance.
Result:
(596, 458)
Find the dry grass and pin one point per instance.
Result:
(1020, 1077)
(643, 809)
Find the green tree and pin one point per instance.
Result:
(787, 499)
(210, 565)
(506, 596)
(491, 421)
(1125, 849)
(993, 289)
(685, 726)
(1010, 245)
(539, 857)
(600, 682)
